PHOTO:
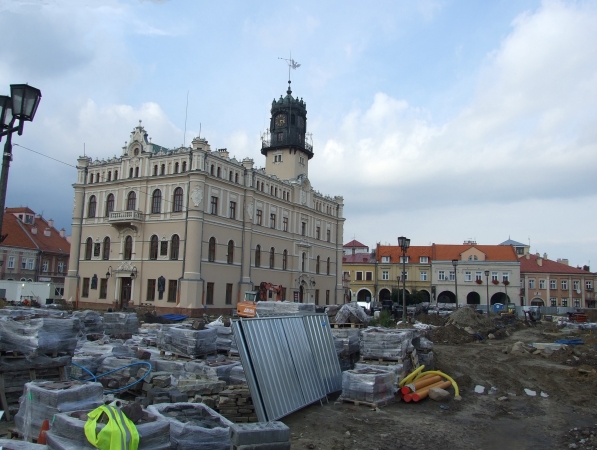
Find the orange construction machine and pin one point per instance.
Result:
(248, 307)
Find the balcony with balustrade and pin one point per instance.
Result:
(123, 219)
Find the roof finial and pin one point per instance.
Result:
(289, 91)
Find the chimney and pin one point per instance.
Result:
(34, 230)
(544, 255)
(565, 261)
(538, 255)
(47, 232)
(62, 232)
(539, 261)
(248, 163)
(223, 152)
(51, 223)
(527, 255)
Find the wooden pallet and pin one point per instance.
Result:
(14, 354)
(15, 372)
(187, 357)
(379, 361)
(369, 404)
(347, 325)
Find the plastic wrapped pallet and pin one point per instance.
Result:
(351, 313)
(385, 343)
(91, 322)
(120, 323)
(212, 370)
(10, 444)
(36, 336)
(346, 340)
(184, 340)
(224, 338)
(42, 399)
(369, 385)
(397, 369)
(67, 432)
(283, 308)
(427, 360)
(194, 426)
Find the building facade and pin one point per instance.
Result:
(33, 251)
(358, 268)
(189, 230)
(552, 283)
(467, 282)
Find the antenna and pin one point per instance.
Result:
(84, 149)
(186, 113)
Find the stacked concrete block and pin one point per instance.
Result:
(224, 337)
(284, 308)
(351, 313)
(20, 445)
(198, 386)
(67, 431)
(217, 369)
(39, 336)
(42, 399)
(194, 426)
(346, 340)
(184, 340)
(368, 385)
(92, 323)
(385, 343)
(236, 405)
(260, 436)
(425, 354)
(121, 324)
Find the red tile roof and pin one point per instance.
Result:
(414, 253)
(360, 258)
(20, 235)
(442, 252)
(355, 243)
(548, 266)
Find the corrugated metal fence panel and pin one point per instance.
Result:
(322, 344)
(274, 370)
(247, 363)
(304, 359)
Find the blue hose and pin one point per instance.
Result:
(95, 377)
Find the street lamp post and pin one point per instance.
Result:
(487, 285)
(22, 106)
(404, 243)
(455, 264)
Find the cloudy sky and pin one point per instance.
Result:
(438, 120)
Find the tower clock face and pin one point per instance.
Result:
(280, 120)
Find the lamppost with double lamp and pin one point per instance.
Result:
(22, 106)
(487, 284)
(404, 243)
(455, 264)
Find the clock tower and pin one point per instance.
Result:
(286, 151)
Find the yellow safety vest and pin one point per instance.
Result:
(118, 434)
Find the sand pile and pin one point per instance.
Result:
(468, 317)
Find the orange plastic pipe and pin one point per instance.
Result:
(425, 392)
(411, 395)
(421, 383)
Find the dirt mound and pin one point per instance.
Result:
(468, 317)
(450, 334)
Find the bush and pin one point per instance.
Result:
(385, 320)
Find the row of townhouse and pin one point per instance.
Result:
(467, 274)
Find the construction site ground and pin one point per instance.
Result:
(478, 421)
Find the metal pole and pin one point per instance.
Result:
(403, 286)
(456, 286)
(487, 284)
(7, 157)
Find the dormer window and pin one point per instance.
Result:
(424, 259)
(404, 259)
(385, 259)
(136, 151)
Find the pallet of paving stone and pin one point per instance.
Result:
(379, 361)
(376, 404)
(347, 325)
(177, 355)
(14, 373)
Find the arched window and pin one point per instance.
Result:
(317, 266)
(303, 262)
(212, 249)
(177, 205)
(184, 166)
(109, 175)
(128, 248)
(236, 177)
(272, 257)
(136, 172)
(156, 202)
(285, 260)
(153, 248)
(230, 175)
(90, 178)
(211, 170)
(92, 206)
(176, 167)
(131, 203)
(230, 256)
(106, 254)
(258, 256)
(328, 267)
(131, 172)
(109, 204)
(174, 247)
(88, 248)
(97, 177)
(115, 175)
(155, 170)
(219, 172)
(163, 169)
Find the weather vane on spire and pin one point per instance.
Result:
(292, 64)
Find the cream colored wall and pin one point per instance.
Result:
(290, 166)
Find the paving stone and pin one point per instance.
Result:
(259, 433)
